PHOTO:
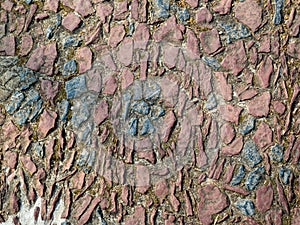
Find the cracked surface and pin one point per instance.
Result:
(149, 112)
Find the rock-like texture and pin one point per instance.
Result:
(264, 72)
(234, 148)
(42, 59)
(264, 198)
(212, 201)
(203, 15)
(227, 133)
(117, 33)
(27, 44)
(149, 112)
(84, 59)
(235, 57)
(101, 112)
(230, 113)
(71, 22)
(210, 41)
(260, 105)
(47, 122)
(263, 135)
(293, 49)
(249, 12)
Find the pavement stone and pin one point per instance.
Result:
(149, 112)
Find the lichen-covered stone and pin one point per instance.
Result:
(276, 152)
(247, 125)
(239, 176)
(254, 178)
(211, 102)
(75, 87)
(285, 174)
(69, 67)
(278, 10)
(246, 206)
(235, 31)
(250, 153)
(14, 102)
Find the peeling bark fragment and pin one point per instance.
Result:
(296, 151)
(265, 44)
(49, 147)
(36, 213)
(84, 59)
(49, 90)
(290, 147)
(16, 220)
(230, 113)
(224, 88)
(113, 202)
(11, 159)
(139, 10)
(101, 112)
(83, 7)
(71, 22)
(203, 15)
(201, 159)
(78, 180)
(192, 45)
(125, 194)
(27, 44)
(88, 182)
(169, 31)
(293, 49)
(8, 129)
(51, 5)
(263, 135)
(274, 217)
(210, 41)
(213, 164)
(296, 216)
(161, 190)
(264, 198)
(117, 34)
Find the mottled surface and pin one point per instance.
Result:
(149, 112)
